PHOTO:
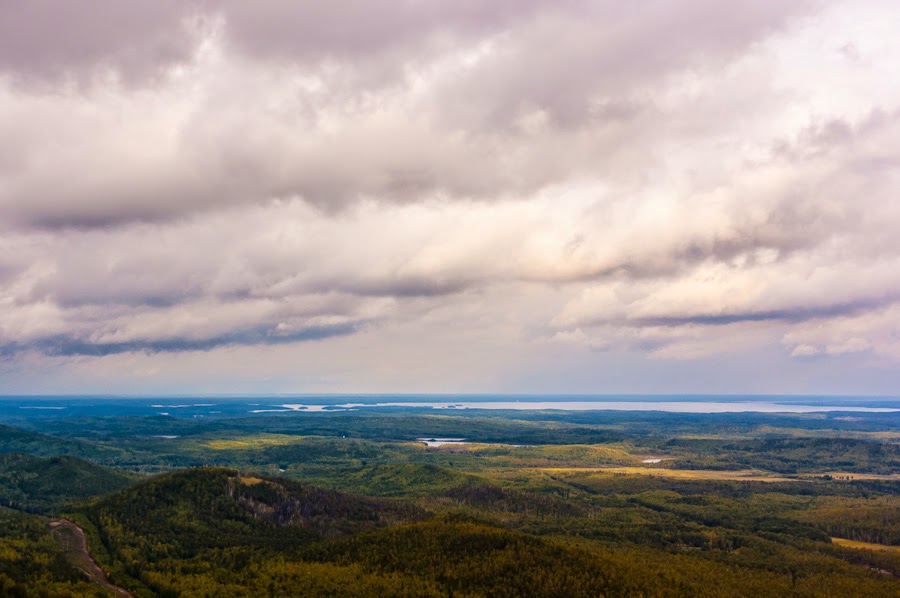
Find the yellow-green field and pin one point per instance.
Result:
(252, 442)
(866, 545)
(750, 475)
(249, 481)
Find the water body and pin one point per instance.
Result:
(14, 408)
(669, 406)
(437, 442)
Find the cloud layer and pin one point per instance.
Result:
(519, 184)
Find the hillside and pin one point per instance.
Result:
(31, 564)
(38, 484)
(16, 440)
(215, 531)
(189, 511)
(720, 515)
(407, 479)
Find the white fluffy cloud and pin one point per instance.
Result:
(532, 186)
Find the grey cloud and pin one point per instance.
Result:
(312, 169)
(247, 132)
(239, 254)
(65, 345)
(360, 29)
(56, 38)
(667, 261)
(786, 314)
(576, 65)
(52, 39)
(406, 287)
(820, 138)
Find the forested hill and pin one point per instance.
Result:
(219, 531)
(16, 440)
(37, 484)
(215, 531)
(186, 512)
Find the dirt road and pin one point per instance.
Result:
(72, 539)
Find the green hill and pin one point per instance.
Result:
(16, 440)
(38, 484)
(507, 500)
(221, 521)
(189, 511)
(214, 531)
(468, 557)
(225, 528)
(405, 479)
(31, 564)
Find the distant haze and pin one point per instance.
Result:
(573, 196)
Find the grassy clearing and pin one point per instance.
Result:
(251, 442)
(685, 474)
(866, 545)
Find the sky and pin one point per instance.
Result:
(449, 196)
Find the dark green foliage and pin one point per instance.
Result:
(15, 440)
(396, 426)
(875, 519)
(405, 480)
(494, 498)
(467, 557)
(184, 513)
(218, 530)
(327, 512)
(789, 455)
(31, 564)
(37, 484)
(539, 520)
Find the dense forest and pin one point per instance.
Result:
(353, 504)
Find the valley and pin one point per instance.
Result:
(358, 503)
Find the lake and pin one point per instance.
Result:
(19, 407)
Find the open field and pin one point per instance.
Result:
(749, 475)
(865, 545)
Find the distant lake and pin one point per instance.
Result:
(14, 408)
(669, 406)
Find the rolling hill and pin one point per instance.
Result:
(40, 485)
